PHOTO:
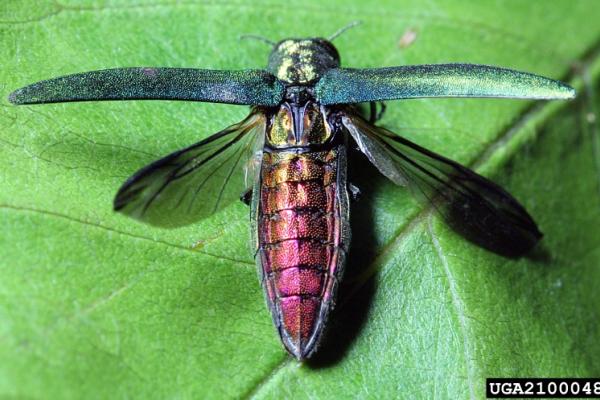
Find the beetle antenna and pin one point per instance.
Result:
(344, 29)
(259, 38)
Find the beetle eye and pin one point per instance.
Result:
(329, 48)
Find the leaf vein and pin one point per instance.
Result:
(100, 226)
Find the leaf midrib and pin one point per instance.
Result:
(458, 304)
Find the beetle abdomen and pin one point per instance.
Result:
(302, 240)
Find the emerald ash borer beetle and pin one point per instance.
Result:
(288, 159)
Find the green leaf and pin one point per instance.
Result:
(95, 305)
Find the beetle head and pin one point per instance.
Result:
(302, 61)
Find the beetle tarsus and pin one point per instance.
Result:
(354, 192)
(246, 197)
(375, 116)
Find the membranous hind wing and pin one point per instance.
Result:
(473, 205)
(191, 183)
(478, 208)
(195, 182)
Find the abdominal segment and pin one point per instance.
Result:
(302, 234)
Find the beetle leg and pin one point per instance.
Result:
(375, 116)
(246, 197)
(354, 192)
(372, 112)
(381, 111)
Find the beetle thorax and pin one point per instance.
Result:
(302, 61)
(294, 125)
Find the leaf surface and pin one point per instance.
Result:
(95, 305)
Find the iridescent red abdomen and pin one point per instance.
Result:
(302, 236)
